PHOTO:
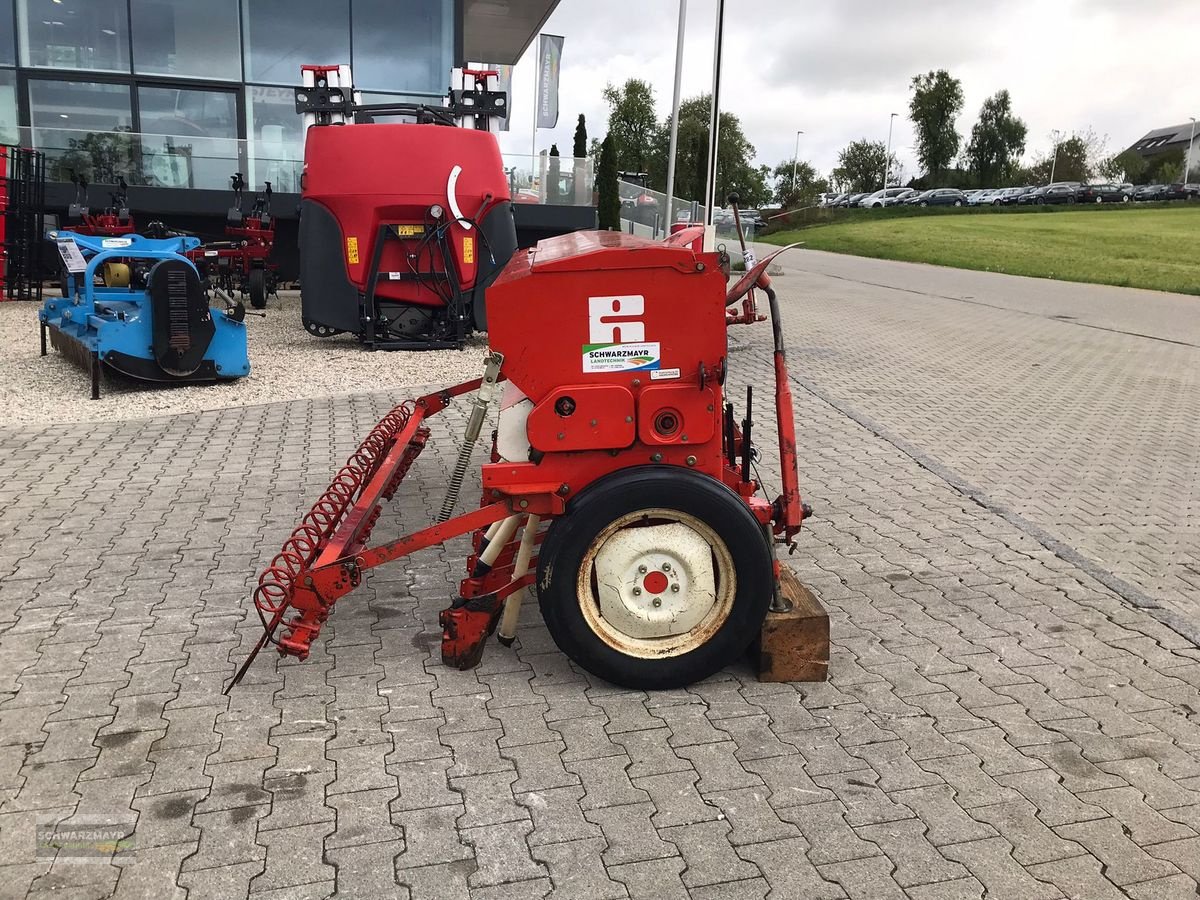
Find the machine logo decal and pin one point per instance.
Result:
(641, 356)
(114, 243)
(616, 319)
(352, 251)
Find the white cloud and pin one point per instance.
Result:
(836, 68)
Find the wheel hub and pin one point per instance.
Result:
(655, 581)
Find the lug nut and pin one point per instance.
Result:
(666, 567)
(674, 589)
(637, 592)
(642, 570)
(657, 602)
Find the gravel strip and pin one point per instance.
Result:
(286, 363)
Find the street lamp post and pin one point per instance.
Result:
(714, 122)
(1054, 165)
(675, 114)
(887, 162)
(1187, 164)
(796, 158)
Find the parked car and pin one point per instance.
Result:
(916, 199)
(1182, 192)
(986, 197)
(856, 199)
(1059, 192)
(1149, 192)
(1101, 193)
(880, 199)
(942, 197)
(1011, 196)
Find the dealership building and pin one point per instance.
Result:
(176, 95)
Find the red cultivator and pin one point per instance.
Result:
(620, 479)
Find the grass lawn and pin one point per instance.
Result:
(1155, 248)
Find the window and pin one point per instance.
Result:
(407, 51)
(83, 127)
(276, 138)
(75, 34)
(190, 137)
(8, 49)
(283, 35)
(9, 133)
(187, 38)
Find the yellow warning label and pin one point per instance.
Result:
(468, 249)
(352, 250)
(409, 230)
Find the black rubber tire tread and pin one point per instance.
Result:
(649, 487)
(258, 288)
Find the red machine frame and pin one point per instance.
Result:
(326, 556)
(246, 250)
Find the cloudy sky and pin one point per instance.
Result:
(836, 68)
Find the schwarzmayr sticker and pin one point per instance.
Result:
(621, 357)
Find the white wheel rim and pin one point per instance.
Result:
(656, 583)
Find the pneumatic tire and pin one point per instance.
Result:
(691, 550)
(258, 288)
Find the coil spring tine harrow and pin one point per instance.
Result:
(339, 524)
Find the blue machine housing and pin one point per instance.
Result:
(157, 328)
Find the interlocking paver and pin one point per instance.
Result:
(994, 714)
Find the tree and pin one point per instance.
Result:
(735, 171)
(1078, 158)
(632, 123)
(860, 166)
(580, 149)
(554, 177)
(609, 207)
(997, 142)
(1124, 167)
(1164, 167)
(793, 191)
(937, 100)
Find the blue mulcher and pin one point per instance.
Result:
(149, 320)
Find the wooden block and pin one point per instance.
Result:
(794, 645)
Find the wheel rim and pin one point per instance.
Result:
(656, 583)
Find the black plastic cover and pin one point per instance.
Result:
(327, 295)
(182, 323)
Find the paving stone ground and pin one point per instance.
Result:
(998, 722)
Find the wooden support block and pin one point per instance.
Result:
(794, 645)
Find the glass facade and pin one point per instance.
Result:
(189, 137)
(9, 130)
(415, 58)
(276, 134)
(91, 35)
(188, 39)
(8, 41)
(182, 93)
(283, 35)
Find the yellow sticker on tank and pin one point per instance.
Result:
(352, 251)
(468, 249)
(409, 230)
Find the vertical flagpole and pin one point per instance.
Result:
(537, 83)
(675, 115)
(714, 126)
